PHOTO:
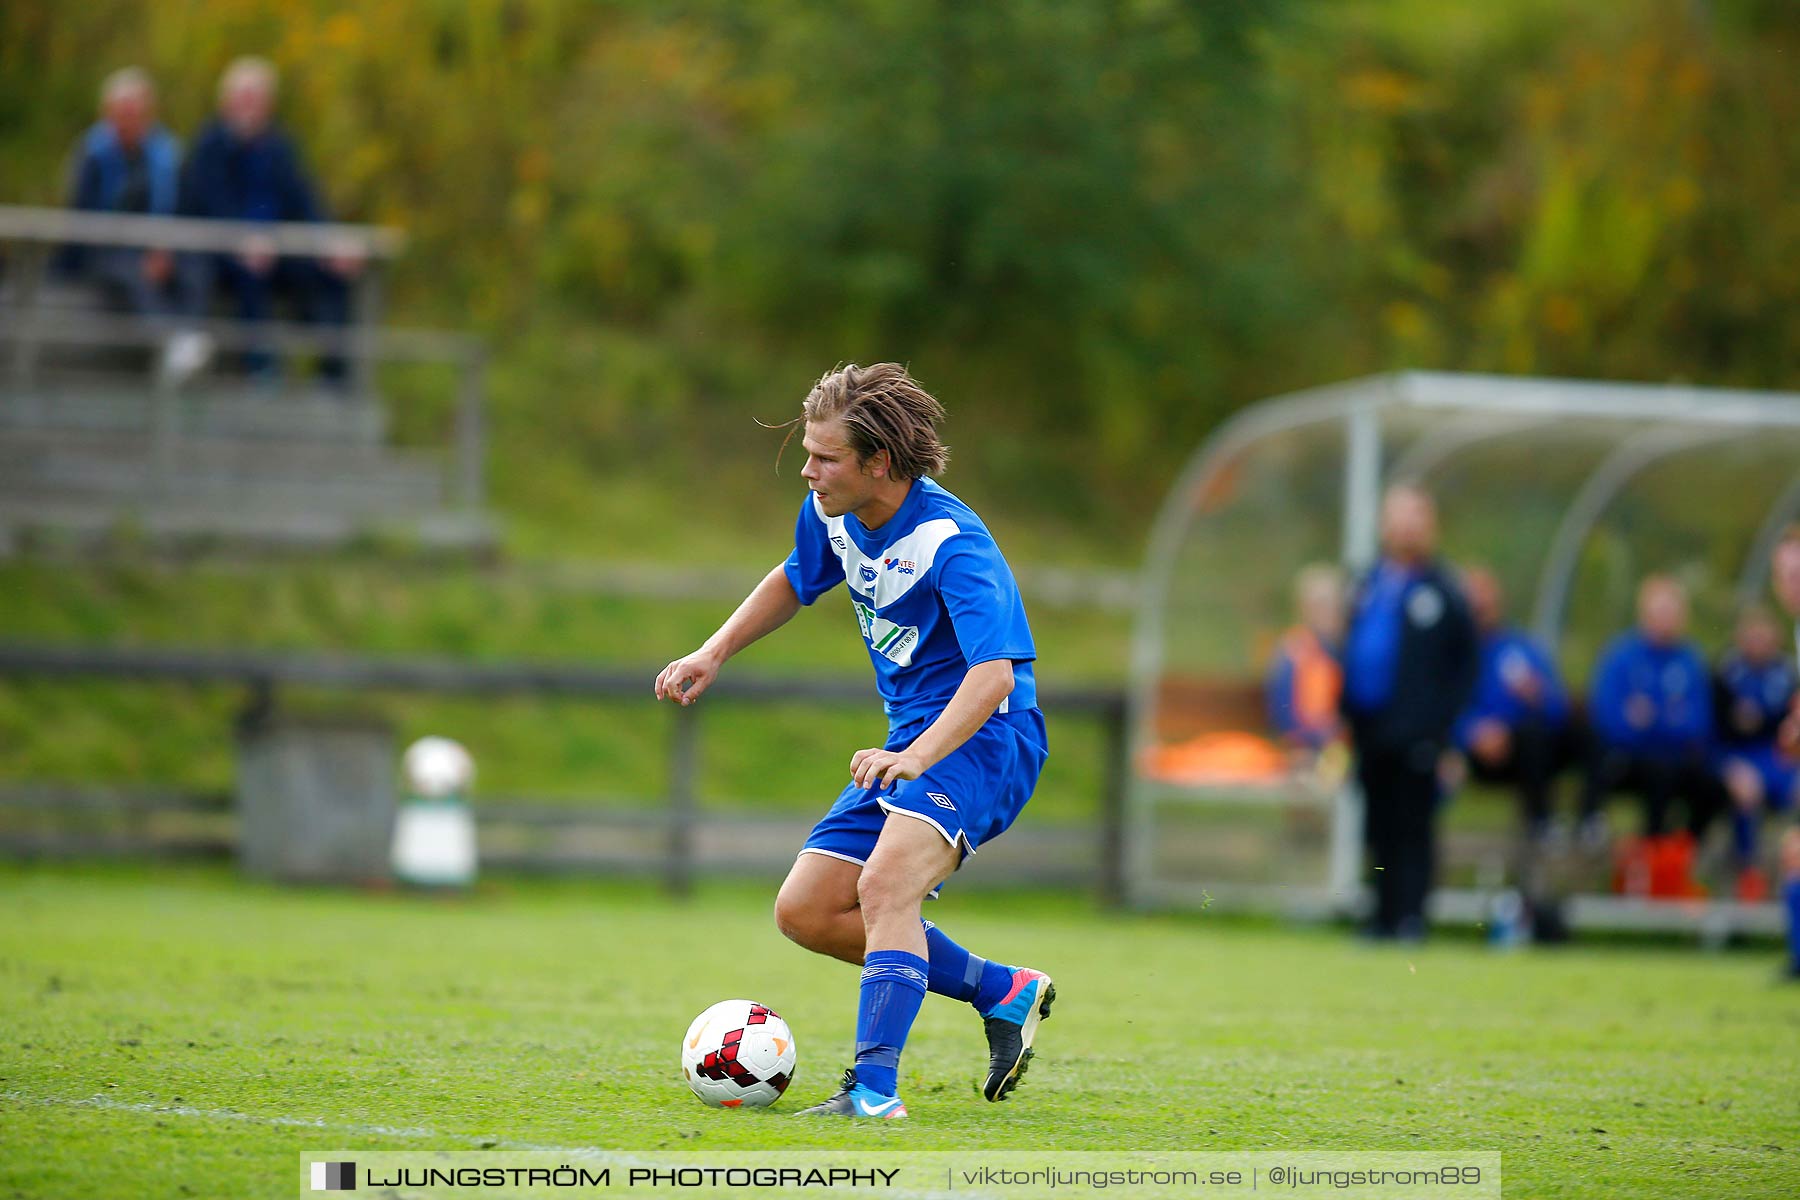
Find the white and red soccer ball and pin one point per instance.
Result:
(738, 1054)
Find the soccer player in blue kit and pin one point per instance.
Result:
(944, 626)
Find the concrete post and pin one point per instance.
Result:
(315, 799)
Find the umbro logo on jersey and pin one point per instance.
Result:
(941, 800)
(840, 543)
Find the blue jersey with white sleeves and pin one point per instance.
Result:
(932, 595)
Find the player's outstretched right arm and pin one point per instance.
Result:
(769, 606)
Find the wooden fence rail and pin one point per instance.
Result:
(688, 835)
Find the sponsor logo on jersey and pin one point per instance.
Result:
(900, 648)
(905, 566)
(891, 641)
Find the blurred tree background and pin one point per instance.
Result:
(1094, 229)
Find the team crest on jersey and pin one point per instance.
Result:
(1425, 606)
(868, 573)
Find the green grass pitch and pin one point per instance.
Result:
(178, 1032)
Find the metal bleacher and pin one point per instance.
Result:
(97, 435)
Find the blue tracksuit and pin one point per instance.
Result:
(1674, 682)
(1509, 656)
(1750, 701)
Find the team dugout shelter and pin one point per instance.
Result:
(1569, 491)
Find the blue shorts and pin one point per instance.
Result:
(970, 797)
(1777, 772)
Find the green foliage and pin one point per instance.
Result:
(185, 1029)
(1094, 228)
(1538, 189)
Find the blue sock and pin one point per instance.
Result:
(1791, 893)
(893, 988)
(963, 976)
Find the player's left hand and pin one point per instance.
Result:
(884, 768)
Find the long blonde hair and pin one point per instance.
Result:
(882, 408)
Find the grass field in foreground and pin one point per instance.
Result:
(179, 1032)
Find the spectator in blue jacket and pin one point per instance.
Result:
(127, 162)
(1517, 727)
(1409, 666)
(244, 167)
(1650, 708)
(1753, 692)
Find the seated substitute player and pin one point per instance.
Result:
(945, 629)
(1305, 681)
(1753, 692)
(1516, 728)
(1650, 705)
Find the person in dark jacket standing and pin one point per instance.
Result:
(1410, 660)
(244, 167)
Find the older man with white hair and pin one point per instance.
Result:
(244, 167)
(127, 162)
